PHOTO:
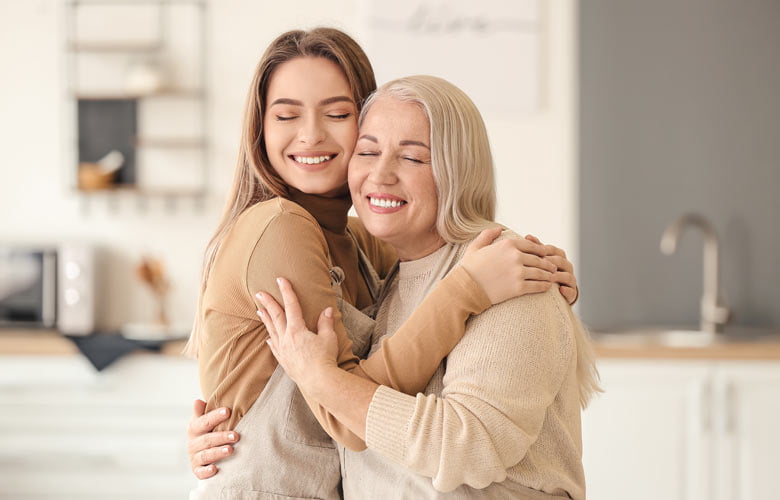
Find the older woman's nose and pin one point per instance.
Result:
(384, 171)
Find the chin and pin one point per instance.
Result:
(323, 188)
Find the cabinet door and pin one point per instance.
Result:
(68, 432)
(748, 438)
(648, 436)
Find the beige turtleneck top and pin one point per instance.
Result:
(301, 239)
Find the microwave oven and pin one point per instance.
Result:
(48, 287)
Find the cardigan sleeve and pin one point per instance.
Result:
(234, 360)
(498, 384)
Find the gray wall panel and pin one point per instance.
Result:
(679, 111)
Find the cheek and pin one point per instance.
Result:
(354, 178)
(271, 137)
(348, 138)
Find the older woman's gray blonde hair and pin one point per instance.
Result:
(463, 170)
(460, 153)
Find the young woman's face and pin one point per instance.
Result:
(391, 178)
(310, 125)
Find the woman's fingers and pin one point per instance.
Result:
(569, 293)
(211, 441)
(483, 239)
(529, 260)
(536, 274)
(561, 263)
(205, 472)
(210, 456)
(530, 247)
(274, 314)
(530, 286)
(202, 423)
(531, 237)
(565, 279)
(269, 326)
(292, 308)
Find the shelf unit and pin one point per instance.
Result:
(137, 84)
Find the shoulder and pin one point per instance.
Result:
(266, 211)
(275, 217)
(541, 319)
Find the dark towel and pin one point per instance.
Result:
(102, 349)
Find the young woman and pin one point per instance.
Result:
(287, 215)
(501, 417)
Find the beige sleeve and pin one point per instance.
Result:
(407, 360)
(498, 385)
(235, 364)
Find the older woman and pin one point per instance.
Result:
(501, 416)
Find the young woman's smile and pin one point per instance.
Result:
(310, 125)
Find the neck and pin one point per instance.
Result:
(330, 212)
(418, 250)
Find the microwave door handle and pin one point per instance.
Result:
(49, 309)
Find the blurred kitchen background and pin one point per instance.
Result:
(608, 121)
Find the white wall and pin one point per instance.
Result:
(535, 154)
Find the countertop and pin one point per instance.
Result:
(755, 351)
(52, 343)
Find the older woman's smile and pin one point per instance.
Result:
(382, 203)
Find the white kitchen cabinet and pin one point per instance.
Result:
(69, 432)
(748, 431)
(684, 430)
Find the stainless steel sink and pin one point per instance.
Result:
(681, 337)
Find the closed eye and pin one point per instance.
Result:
(340, 117)
(281, 118)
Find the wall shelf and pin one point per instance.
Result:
(161, 94)
(99, 46)
(169, 143)
(137, 84)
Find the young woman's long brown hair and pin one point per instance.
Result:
(255, 179)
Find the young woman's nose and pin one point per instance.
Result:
(312, 131)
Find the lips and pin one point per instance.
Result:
(312, 159)
(385, 203)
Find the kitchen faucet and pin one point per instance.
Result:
(714, 314)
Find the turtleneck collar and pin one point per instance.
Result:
(331, 213)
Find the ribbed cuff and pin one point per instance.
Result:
(387, 422)
(479, 299)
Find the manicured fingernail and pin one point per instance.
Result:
(329, 312)
(279, 281)
(225, 450)
(259, 295)
(261, 314)
(223, 411)
(231, 436)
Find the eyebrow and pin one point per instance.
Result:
(324, 102)
(402, 143)
(414, 143)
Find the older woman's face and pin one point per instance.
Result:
(391, 178)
